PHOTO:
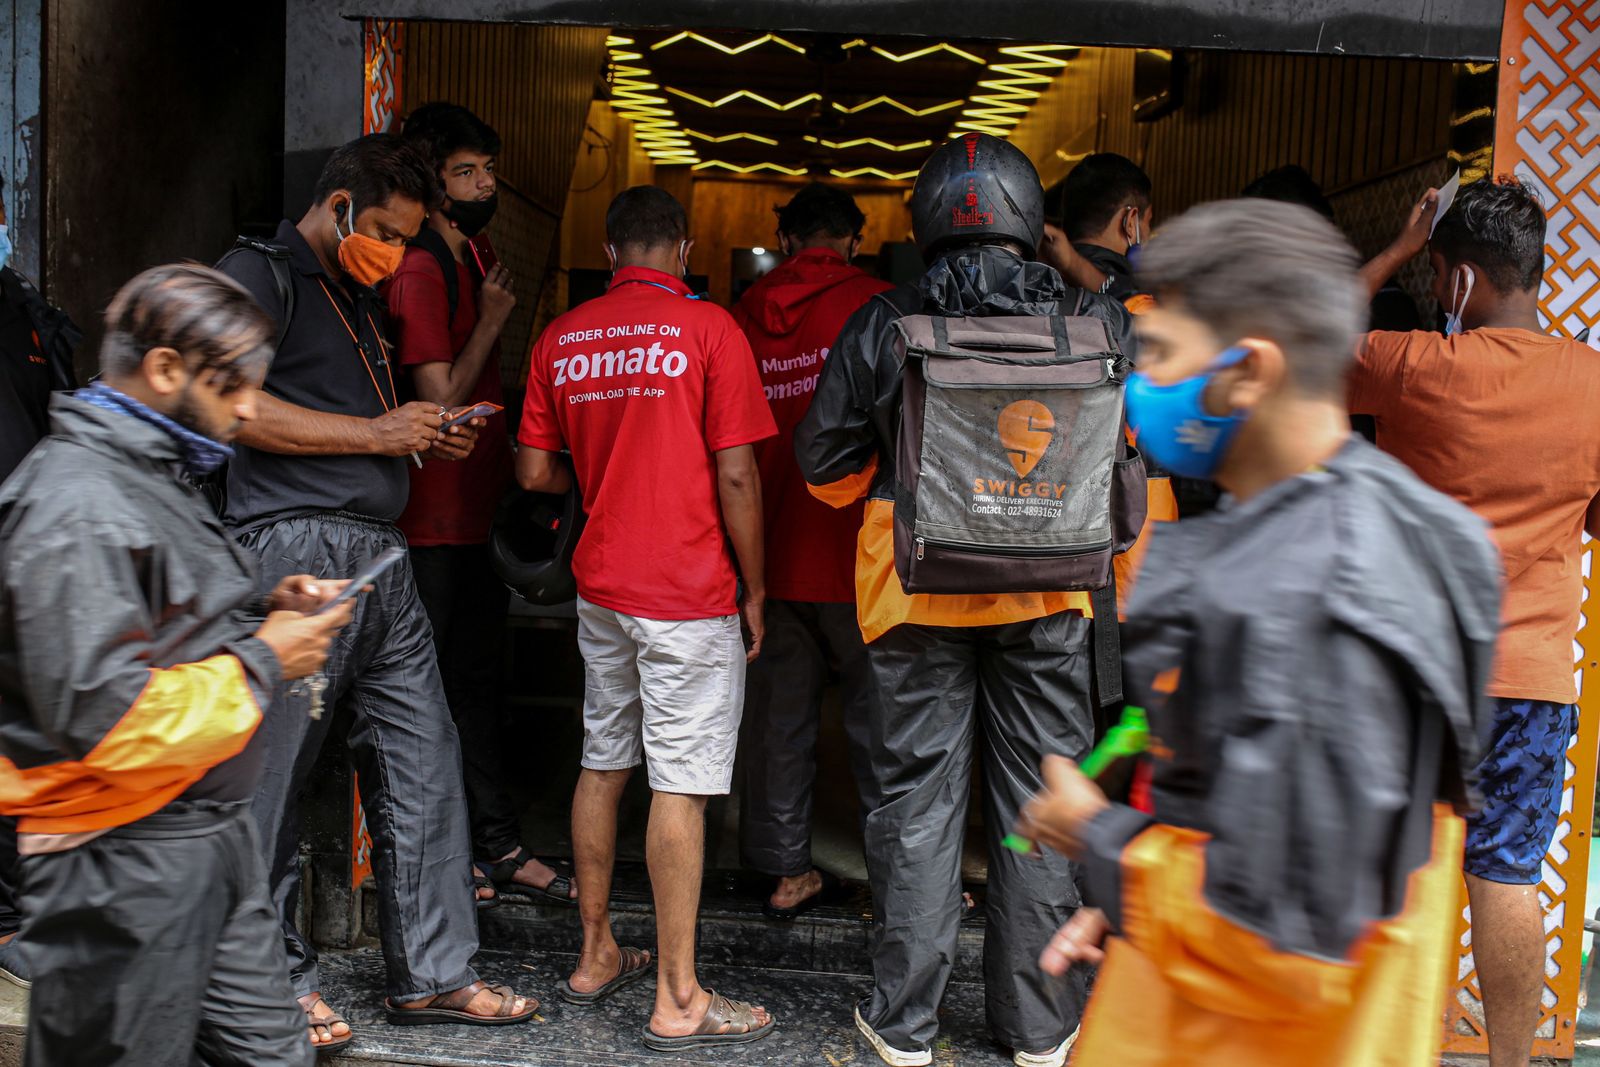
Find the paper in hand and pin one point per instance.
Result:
(1447, 196)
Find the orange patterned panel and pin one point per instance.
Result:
(381, 41)
(381, 50)
(1548, 132)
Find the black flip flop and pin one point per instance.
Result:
(452, 1008)
(626, 976)
(503, 874)
(830, 886)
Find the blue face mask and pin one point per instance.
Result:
(5, 245)
(1172, 424)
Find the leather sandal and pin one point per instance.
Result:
(727, 1022)
(327, 1022)
(634, 965)
(451, 1007)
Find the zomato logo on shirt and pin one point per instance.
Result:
(655, 359)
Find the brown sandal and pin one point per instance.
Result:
(451, 1007)
(634, 965)
(327, 1022)
(721, 1013)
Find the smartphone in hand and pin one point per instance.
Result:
(471, 411)
(368, 574)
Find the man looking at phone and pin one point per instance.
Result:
(447, 328)
(131, 692)
(317, 490)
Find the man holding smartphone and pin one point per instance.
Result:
(447, 304)
(134, 684)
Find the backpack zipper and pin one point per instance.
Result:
(1014, 550)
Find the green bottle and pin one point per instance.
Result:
(1130, 737)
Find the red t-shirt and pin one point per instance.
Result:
(643, 385)
(792, 317)
(452, 503)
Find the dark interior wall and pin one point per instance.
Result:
(163, 139)
(534, 85)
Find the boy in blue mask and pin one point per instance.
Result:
(1312, 657)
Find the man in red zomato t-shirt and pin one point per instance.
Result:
(656, 395)
(452, 355)
(793, 316)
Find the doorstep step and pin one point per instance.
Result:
(830, 939)
(814, 1013)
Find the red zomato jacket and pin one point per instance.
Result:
(793, 316)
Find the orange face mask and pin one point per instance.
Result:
(366, 259)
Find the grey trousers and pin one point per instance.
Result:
(1015, 693)
(405, 751)
(804, 643)
(155, 945)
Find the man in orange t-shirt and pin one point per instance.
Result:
(1502, 417)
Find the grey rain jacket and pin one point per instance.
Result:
(1333, 638)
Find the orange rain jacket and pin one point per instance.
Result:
(127, 666)
(1313, 661)
(846, 442)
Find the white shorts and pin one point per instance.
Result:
(668, 692)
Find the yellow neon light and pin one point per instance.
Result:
(756, 137)
(1006, 100)
(613, 41)
(634, 96)
(919, 53)
(888, 101)
(746, 94)
(873, 172)
(793, 172)
(909, 146)
(733, 50)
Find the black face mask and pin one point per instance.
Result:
(471, 216)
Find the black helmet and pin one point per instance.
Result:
(531, 545)
(975, 188)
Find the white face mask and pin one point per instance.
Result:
(1452, 320)
(683, 258)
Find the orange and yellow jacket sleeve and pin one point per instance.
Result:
(87, 602)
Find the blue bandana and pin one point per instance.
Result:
(201, 455)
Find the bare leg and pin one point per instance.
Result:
(1508, 948)
(594, 846)
(675, 849)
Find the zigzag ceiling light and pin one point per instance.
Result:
(634, 97)
(1010, 98)
(1015, 79)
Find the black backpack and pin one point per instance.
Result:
(430, 241)
(277, 257)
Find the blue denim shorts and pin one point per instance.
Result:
(1521, 777)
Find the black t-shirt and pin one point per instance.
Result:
(318, 366)
(24, 378)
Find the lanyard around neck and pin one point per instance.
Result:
(361, 349)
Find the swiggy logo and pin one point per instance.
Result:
(1026, 427)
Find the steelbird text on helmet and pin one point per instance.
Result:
(973, 189)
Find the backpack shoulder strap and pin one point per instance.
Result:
(277, 257)
(429, 240)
